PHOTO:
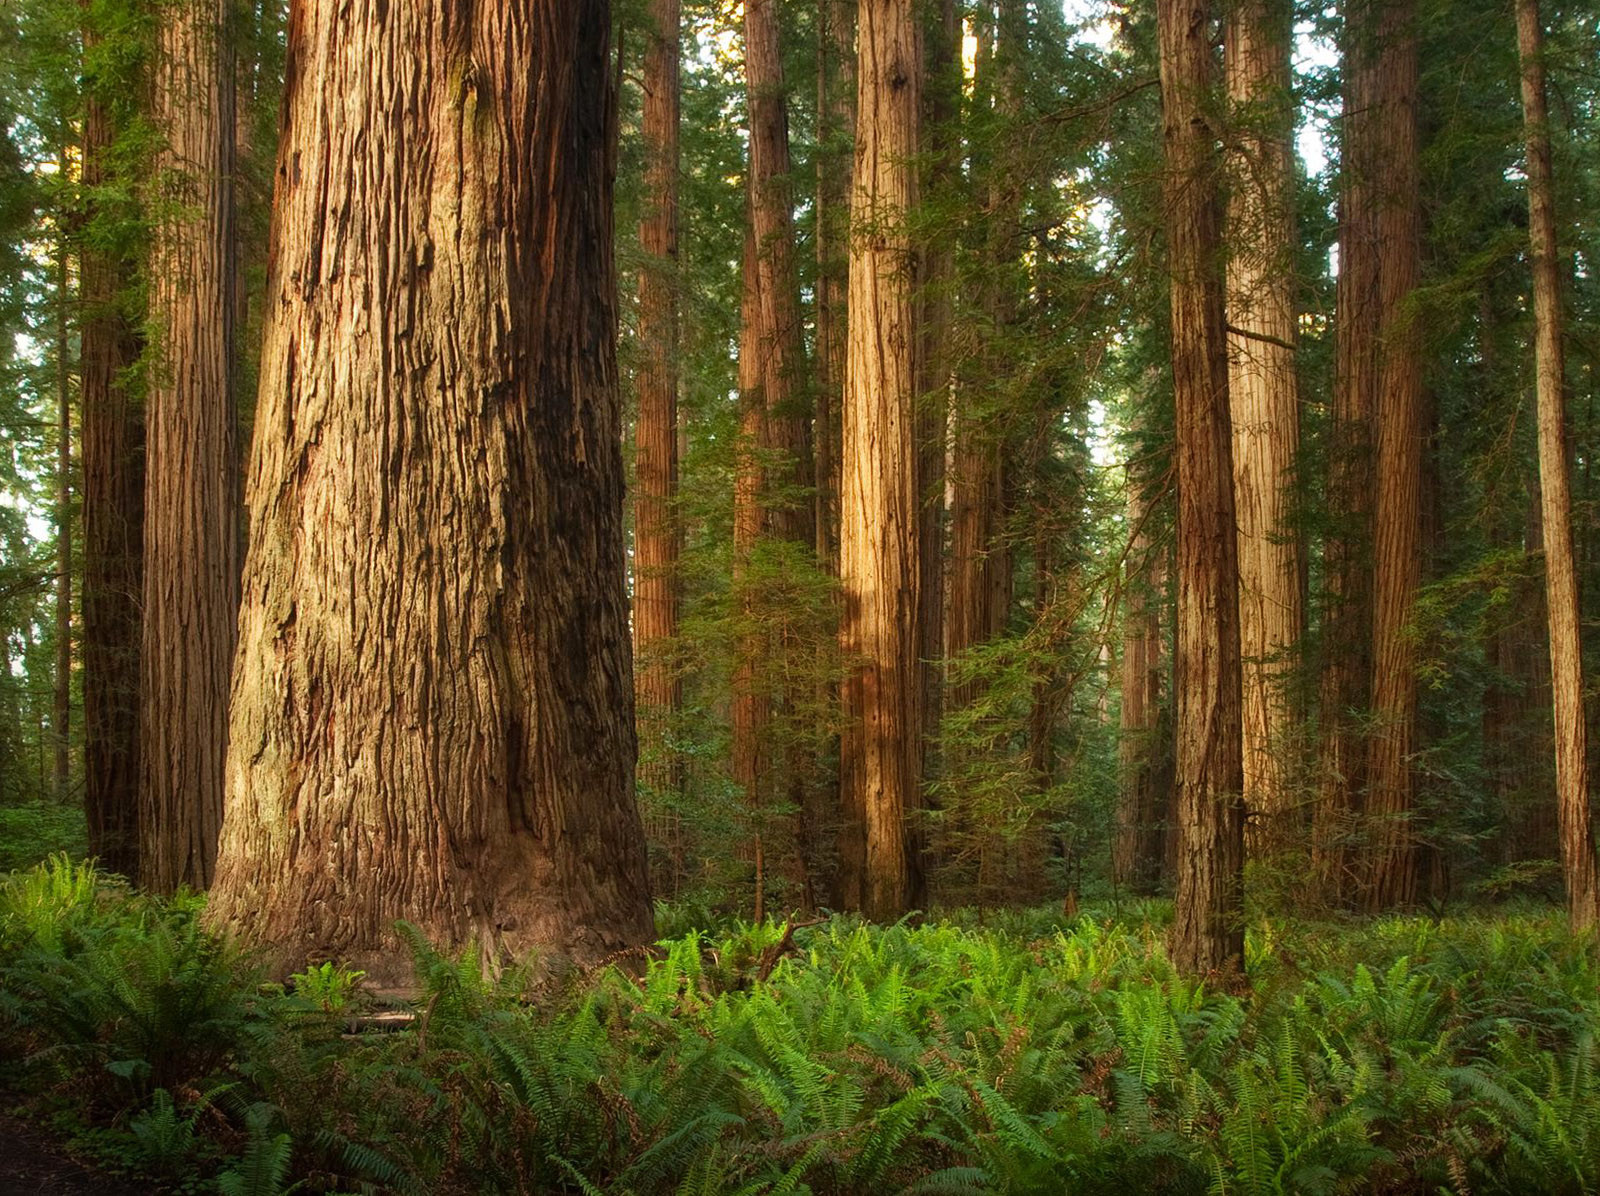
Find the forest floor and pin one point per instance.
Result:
(1007, 1051)
(32, 1164)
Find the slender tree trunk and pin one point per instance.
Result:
(980, 562)
(1555, 483)
(1208, 930)
(1347, 615)
(61, 712)
(1397, 527)
(880, 756)
(781, 343)
(113, 518)
(657, 534)
(836, 129)
(191, 570)
(941, 107)
(1264, 402)
(433, 697)
(750, 708)
(1137, 849)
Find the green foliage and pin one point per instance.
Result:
(326, 985)
(1009, 1051)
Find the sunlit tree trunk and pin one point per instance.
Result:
(433, 700)
(880, 754)
(1264, 402)
(657, 534)
(191, 568)
(1208, 930)
(1555, 483)
(1401, 434)
(112, 448)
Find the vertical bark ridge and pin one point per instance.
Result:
(191, 566)
(1264, 402)
(1208, 931)
(1555, 484)
(880, 756)
(433, 696)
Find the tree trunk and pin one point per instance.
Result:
(113, 515)
(1264, 402)
(781, 343)
(61, 708)
(1137, 848)
(750, 708)
(433, 697)
(1555, 483)
(658, 538)
(191, 568)
(1397, 525)
(1207, 931)
(835, 131)
(979, 596)
(1347, 615)
(880, 757)
(937, 276)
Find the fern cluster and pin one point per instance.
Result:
(1013, 1053)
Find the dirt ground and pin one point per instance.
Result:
(32, 1165)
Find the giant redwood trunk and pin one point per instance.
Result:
(433, 697)
(880, 755)
(1401, 431)
(113, 513)
(1264, 401)
(1207, 929)
(1555, 483)
(191, 568)
(1347, 614)
(657, 535)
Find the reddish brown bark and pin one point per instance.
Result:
(790, 516)
(1347, 615)
(836, 129)
(433, 698)
(61, 706)
(191, 566)
(751, 710)
(1555, 483)
(1264, 402)
(658, 537)
(1401, 434)
(1208, 930)
(879, 568)
(937, 298)
(113, 518)
(1136, 854)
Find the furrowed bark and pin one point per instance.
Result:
(433, 697)
(191, 565)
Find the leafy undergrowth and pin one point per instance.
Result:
(995, 1053)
